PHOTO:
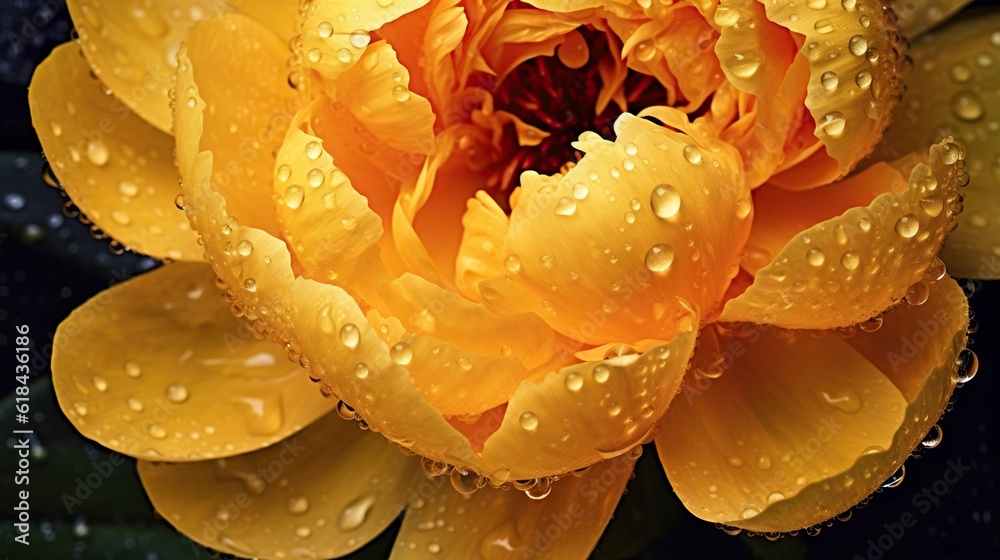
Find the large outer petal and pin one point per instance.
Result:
(323, 493)
(132, 45)
(917, 17)
(849, 268)
(226, 58)
(577, 248)
(158, 368)
(800, 429)
(954, 91)
(508, 525)
(116, 168)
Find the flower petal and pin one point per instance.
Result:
(484, 227)
(953, 91)
(131, 48)
(323, 493)
(331, 44)
(507, 524)
(780, 215)
(116, 168)
(222, 56)
(593, 252)
(853, 53)
(377, 92)
(916, 18)
(327, 224)
(800, 429)
(158, 369)
(849, 268)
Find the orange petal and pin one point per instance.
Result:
(323, 493)
(377, 92)
(798, 429)
(222, 56)
(484, 227)
(327, 224)
(780, 215)
(953, 91)
(853, 54)
(849, 268)
(594, 252)
(331, 44)
(916, 18)
(507, 524)
(116, 168)
(132, 48)
(158, 368)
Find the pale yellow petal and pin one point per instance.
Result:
(847, 269)
(159, 369)
(799, 429)
(953, 90)
(479, 257)
(323, 493)
(224, 57)
(508, 525)
(114, 166)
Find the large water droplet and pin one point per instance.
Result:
(529, 421)
(665, 201)
(355, 513)
(350, 335)
(659, 258)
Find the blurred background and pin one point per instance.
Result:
(50, 264)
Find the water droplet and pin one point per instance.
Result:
(132, 369)
(244, 248)
(573, 381)
(176, 393)
(314, 150)
(907, 226)
(294, 195)
(315, 178)
(128, 188)
(829, 80)
(98, 153)
(56, 128)
(580, 191)
(960, 73)
(665, 201)
(359, 38)
(529, 421)
(355, 513)
(833, 124)
(748, 513)
(250, 285)
(324, 29)
(565, 206)
(601, 373)
(863, 79)
(967, 365)
(896, 479)
(850, 260)
(156, 431)
(967, 106)
(692, 154)
(99, 383)
(659, 258)
(858, 45)
(134, 404)
(932, 206)
(743, 64)
(540, 490)
(933, 437)
(401, 353)
(512, 264)
(344, 55)
(262, 415)
(815, 256)
(400, 93)
(297, 505)
(433, 548)
(350, 335)
(823, 26)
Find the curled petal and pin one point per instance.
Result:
(207, 388)
(952, 91)
(115, 167)
(220, 56)
(311, 506)
(849, 268)
(508, 524)
(798, 429)
(484, 227)
(593, 252)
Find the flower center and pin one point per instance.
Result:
(562, 101)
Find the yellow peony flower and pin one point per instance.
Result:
(517, 239)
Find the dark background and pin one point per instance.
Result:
(50, 264)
